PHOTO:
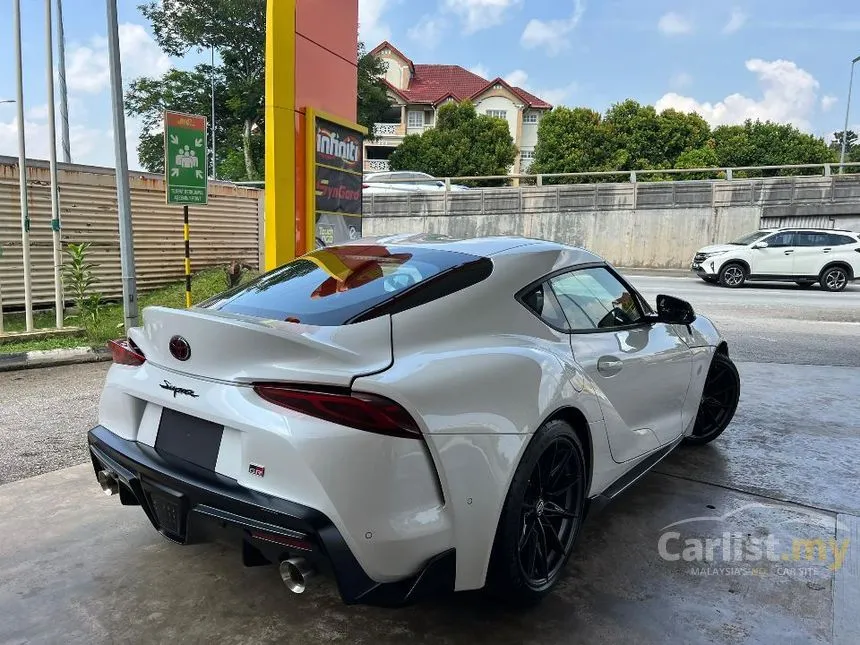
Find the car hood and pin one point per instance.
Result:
(718, 248)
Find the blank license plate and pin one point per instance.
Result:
(189, 438)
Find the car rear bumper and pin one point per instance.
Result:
(183, 501)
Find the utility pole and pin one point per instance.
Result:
(52, 152)
(214, 166)
(847, 111)
(22, 169)
(126, 249)
(64, 96)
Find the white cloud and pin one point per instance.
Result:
(737, 20)
(89, 145)
(680, 80)
(428, 31)
(828, 102)
(674, 24)
(517, 78)
(88, 69)
(371, 29)
(552, 95)
(789, 95)
(481, 70)
(480, 14)
(552, 35)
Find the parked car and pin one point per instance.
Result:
(412, 414)
(829, 257)
(400, 181)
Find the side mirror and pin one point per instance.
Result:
(760, 245)
(674, 311)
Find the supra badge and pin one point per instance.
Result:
(259, 471)
(167, 385)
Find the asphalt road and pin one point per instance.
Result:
(771, 322)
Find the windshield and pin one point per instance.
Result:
(749, 238)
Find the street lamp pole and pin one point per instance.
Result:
(847, 110)
(52, 152)
(22, 170)
(126, 248)
(64, 94)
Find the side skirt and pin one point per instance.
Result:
(599, 502)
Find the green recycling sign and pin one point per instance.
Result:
(185, 158)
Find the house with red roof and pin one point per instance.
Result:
(417, 90)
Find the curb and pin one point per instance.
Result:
(52, 358)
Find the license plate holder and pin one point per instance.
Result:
(190, 438)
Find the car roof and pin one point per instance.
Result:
(480, 246)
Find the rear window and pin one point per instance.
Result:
(339, 285)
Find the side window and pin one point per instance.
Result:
(594, 299)
(812, 239)
(785, 238)
(839, 240)
(542, 301)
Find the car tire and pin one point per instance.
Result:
(834, 279)
(733, 275)
(719, 402)
(805, 284)
(541, 517)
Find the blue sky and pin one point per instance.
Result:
(786, 60)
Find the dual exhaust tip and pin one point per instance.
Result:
(295, 573)
(109, 482)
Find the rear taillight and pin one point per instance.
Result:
(359, 410)
(126, 352)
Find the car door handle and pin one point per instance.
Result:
(789, 252)
(609, 365)
(826, 251)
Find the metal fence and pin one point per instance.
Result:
(770, 192)
(228, 228)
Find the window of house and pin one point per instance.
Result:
(499, 114)
(415, 119)
(530, 117)
(527, 154)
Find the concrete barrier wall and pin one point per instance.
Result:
(658, 225)
(228, 228)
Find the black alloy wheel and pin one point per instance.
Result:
(719, 401)
(541, 517)
(551, 511)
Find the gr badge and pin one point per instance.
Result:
(259, 471)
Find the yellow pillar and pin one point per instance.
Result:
(280, 219)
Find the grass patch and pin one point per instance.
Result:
(203, 285)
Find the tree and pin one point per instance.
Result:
(372, 94)
(634, 132)
(183, 91)
(852, 151)
(463, 144)
(575, 140)
(703, 157)
(757, 143)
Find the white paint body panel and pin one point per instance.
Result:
(477, 371)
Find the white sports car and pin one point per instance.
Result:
(413, 415)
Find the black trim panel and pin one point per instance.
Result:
(195, 492)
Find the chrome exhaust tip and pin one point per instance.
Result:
(108, 482)
(295, 573)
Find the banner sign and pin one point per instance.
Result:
(185, 158)
(335, 178)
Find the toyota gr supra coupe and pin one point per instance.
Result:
(408, 414)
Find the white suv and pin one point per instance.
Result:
(805, 256)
